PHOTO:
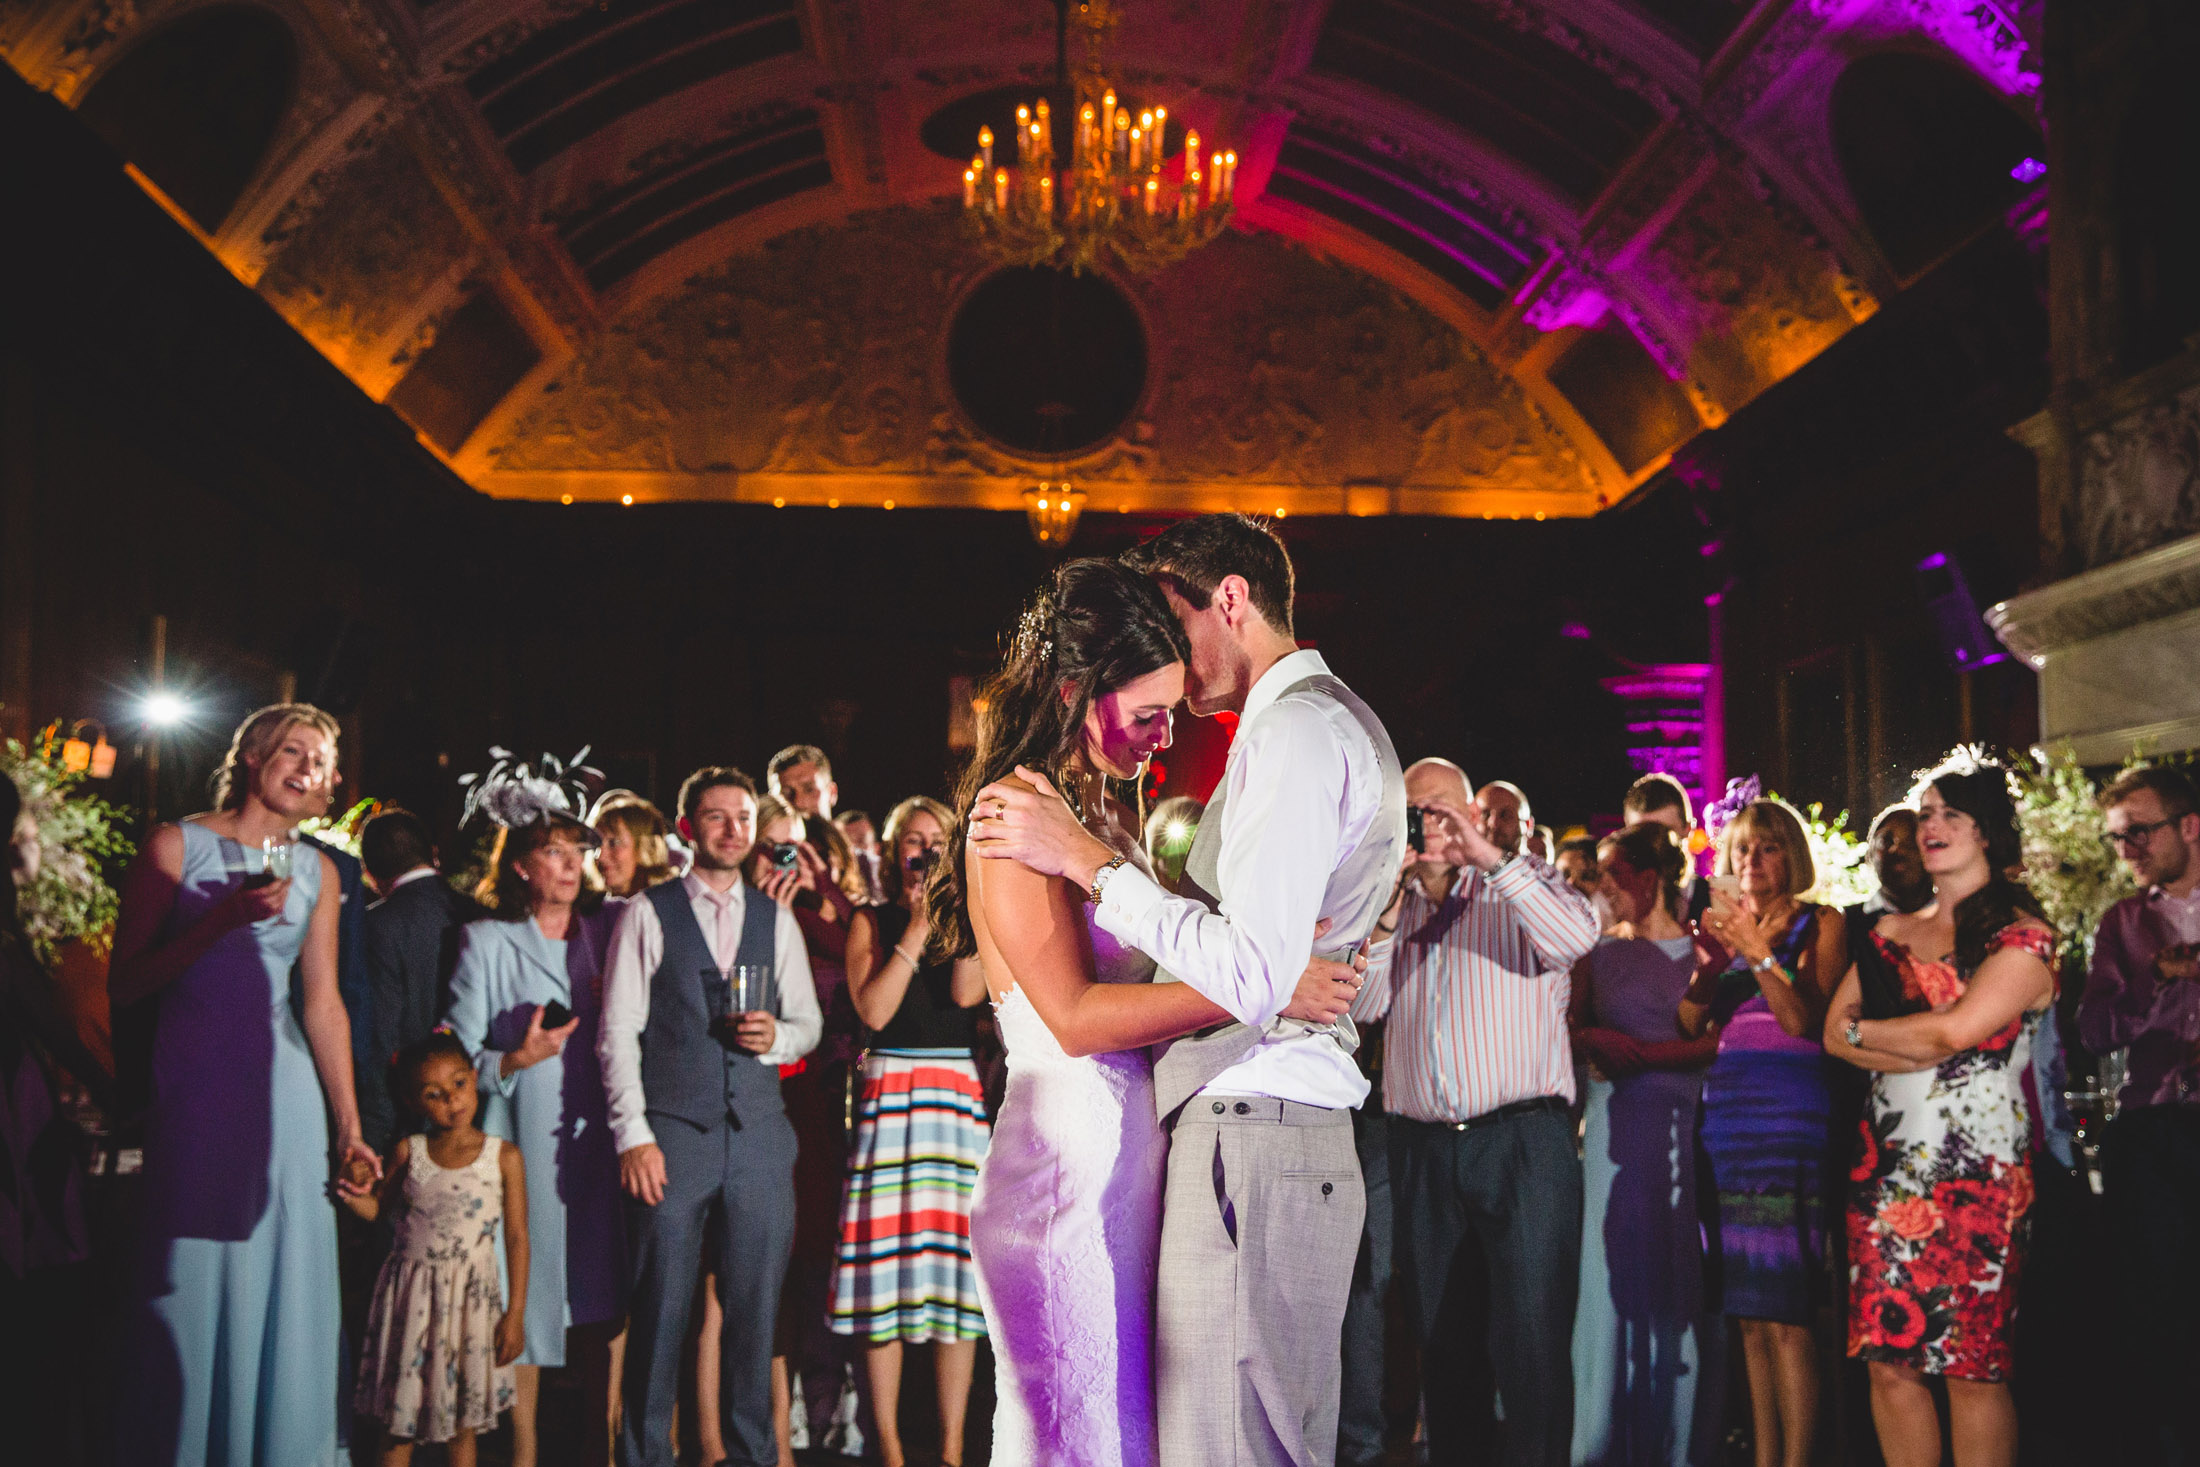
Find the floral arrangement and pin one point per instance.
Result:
(2067, 863)
(342, 831)
(79, 837)
(1845, 876)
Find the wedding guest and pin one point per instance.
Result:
(1943, 1179)
(862, 837)
(696, 1113)
(632, 853)
(1577, 862)
(1470, 965)
(411, 941)
(1664, 799)
(436, 1361)
(542, 945)
(1506, 815)
(903, 1273)
(801, 775)
(231, 1353)
(2142, 994)
(814, 1091)
(1769, 964)
(1898, 867)
(52, 1089)
(1648, 1355)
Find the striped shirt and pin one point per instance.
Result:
(1476, 988)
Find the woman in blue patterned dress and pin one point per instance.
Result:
(231, 1352)
(1768, 1110)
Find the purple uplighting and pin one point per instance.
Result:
(1575, 631)
(2028, 171)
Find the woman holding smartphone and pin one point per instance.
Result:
(1766, 965)
(526, 998)
(904, 1274)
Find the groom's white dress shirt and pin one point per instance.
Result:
(1303, 786)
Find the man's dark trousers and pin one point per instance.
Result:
(1360, 1408)
(746, 1173)
(1489, 1235)
(2150, 1185)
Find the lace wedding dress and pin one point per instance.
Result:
(1066, 1232)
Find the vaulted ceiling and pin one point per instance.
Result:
(699, 248)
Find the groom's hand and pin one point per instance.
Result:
(1023, 819)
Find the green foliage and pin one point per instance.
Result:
(80, 839)
(1845, 877)
(341, 831)
(2067, 864)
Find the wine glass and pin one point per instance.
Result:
(277, 854)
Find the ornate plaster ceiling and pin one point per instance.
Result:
(1494, 257)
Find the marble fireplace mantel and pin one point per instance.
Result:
(2117, 650)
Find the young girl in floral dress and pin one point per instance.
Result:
(436, 1365)
(1942, 1180)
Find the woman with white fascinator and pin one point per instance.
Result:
(525, 1001)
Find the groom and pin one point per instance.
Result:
(1263, 1211)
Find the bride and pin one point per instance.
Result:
(1066, 1222)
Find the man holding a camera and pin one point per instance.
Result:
(707, 991)
(1471, 965)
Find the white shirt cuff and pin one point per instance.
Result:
(631, 1134)
(1130, 899)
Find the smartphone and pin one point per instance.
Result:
(780, 855)
(556, 1015)
(925, 859)
(1731, 886)
(1416, 834)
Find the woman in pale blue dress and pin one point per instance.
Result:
(231, 1355)
(542, 1089)
(1646, 1350)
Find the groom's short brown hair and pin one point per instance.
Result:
(1194, 555)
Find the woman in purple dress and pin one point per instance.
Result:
(1647, 1354)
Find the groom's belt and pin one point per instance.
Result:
(1257, 1110)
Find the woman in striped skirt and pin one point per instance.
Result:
(903, 1274)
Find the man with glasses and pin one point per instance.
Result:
(2143, 995)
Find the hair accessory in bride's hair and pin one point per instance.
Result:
(1033, 631)
(512, 794)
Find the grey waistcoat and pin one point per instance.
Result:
(1353, 901)
(686, 1072)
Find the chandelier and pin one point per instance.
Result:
(1120, 194)
(1052, 508)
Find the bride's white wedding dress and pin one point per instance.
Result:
(1065, 1230)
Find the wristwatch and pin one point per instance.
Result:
(1854, 1034)
(1769, 963)
(1103, 876)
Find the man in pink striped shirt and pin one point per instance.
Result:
(1470, 965)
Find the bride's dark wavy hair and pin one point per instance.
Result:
(1092, 628)
(1979, 787)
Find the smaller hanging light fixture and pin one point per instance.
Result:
(1053, 507)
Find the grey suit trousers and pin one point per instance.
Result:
(1259, 1229)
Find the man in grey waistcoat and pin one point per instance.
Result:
(693, 1083)
(1262, 1216)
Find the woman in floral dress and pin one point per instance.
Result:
(1943, 1179)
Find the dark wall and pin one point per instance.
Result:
(1822, 497)
(169, 447)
